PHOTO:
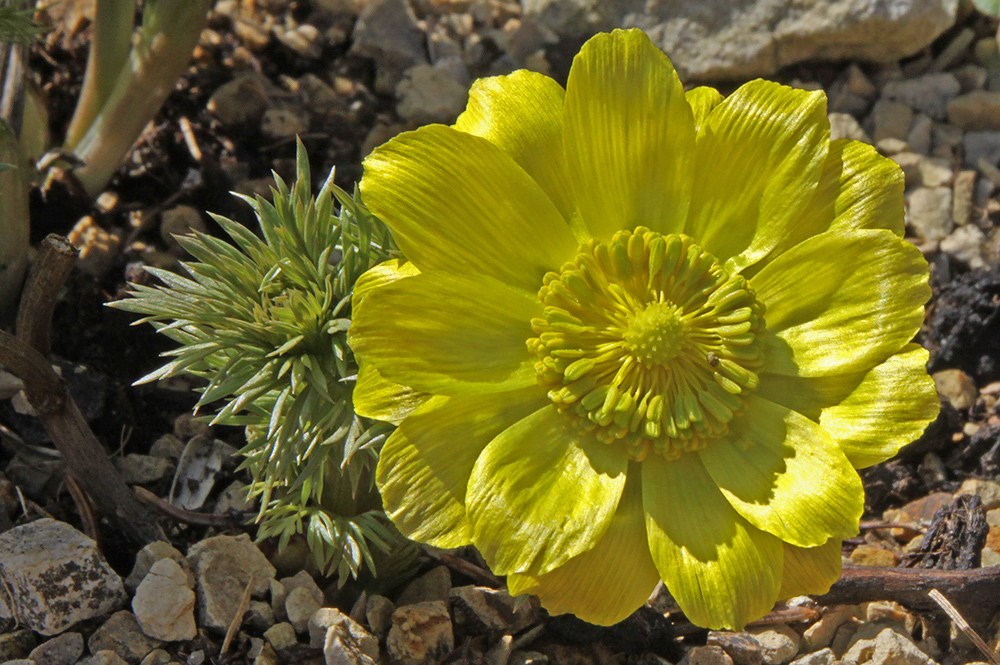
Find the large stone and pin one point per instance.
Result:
(420, 633)
(164, 603)
(929, 212)
(726, 39)
(149, 555)
(430, 94)
(55, 577)
(778, 643)
(63, 649)
(121, 634)
(976, 111)
(889, 647)
(387, 32)
(223, 567)
(327, 618)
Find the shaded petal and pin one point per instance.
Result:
(378, 398)
(758, 159)
(628, 136)
(807, 395)
(608, 583)
(522, 114)
(380, 275)
(810, 571)
(722, 571)
(841, 302)
(447, 334)
(785, 475)
(424, 467)
(859, 189)
(702, 101)
(890, 408)
(458, 203)
(541, 493)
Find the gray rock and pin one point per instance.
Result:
(936, 172)
(720, 39)
(778, 644)
(63, 649)
(121, 633)
(963, 191)
(928, 94)
(241, 101)
(976, 110)
(164, 603)
(55, 576)
(339, 648)
(852, 92)
(966, 243)
(281, 636)
(300, 606)
(20, 661)
(304, 580)
(909, 162)
(821, 657)
(420, 633)
(144, 469)
(328, 618)
(278, 596)
(16, 644)
(921, 131)
(929, 212)
(891, 120)
(105, 657)
(741, 647)
(178, 221)
(890, 147)
(435, 584)
(887, 648)
(946, 140)
(157, 657)
(283, 122)
(844, 126)
(387, 31)
(223, 566)
(706, 655)
(981, 145)
(378, 614)
(820, 634)
(430, 94)
(260, 616)
(482, 609)
(149, 555)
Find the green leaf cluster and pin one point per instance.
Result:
(17, 25)
(264, 321)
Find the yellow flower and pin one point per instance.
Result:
(641, 335)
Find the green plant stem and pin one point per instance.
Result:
(109, 53)
(155, 63)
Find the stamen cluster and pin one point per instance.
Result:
(649, 340)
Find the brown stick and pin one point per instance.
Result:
(83, 454)
(976, 592)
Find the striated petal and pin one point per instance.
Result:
(456, 202)
(424, 467)
(377, 398)
(722, 571)
(608, 583)
(541, 493)
(759, 156)
(890, 408)
(522, 114)
(380, 275)
(785, 475)
(841, 302)
(810, 571)
(628, 136)
(702, 101)
(447, 334)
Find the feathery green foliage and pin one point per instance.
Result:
(16, 23)
(265, 322)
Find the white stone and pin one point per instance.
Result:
(223, 566)
(936, 172)
(55, 576)
(339, 648)
(420, 633)
(164, 603)
(326, 618)
(929, 212)
(966, 243)
(706, 655)
(281, 636)
(778, 644)
(844, 126)
(720, 39)
(821, 657)
(887, 648)
(300, 606)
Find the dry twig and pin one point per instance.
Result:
(963, 625)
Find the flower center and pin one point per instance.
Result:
(649, 341)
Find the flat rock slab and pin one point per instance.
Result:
(55, 577)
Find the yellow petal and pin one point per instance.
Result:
(456, 202)
(629, 134)
(424, 467)
(702, 101)
(447, 334)
(541, 493)
(841, 302)
(810, 571)
(758, 159)
(522, 114)
(377, 398)
(384, 273)
(608, 583)
(785, 475)
(722, 571)
(890, 408)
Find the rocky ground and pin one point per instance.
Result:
(346, 75)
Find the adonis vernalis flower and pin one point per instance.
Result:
(641, 335)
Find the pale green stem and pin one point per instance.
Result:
(14, 226)
(170, 32)
(109, 52)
